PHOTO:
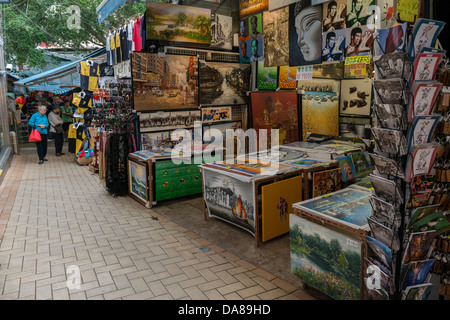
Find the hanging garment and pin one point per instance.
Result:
(108, 49)
(116, 155)
(137, 35)
(89, 73)
(124, 44)
(130, 37)
(118, 48)
(82, 101)
(143, 31)
(112, 45)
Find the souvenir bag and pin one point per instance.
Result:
(35, 136)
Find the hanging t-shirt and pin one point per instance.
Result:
(82, 101)
(137, 35)
(130, 37)
(143, 30)
(118, 48)
(124, 43)
(113, 48)
(89, 73)
(108, 50)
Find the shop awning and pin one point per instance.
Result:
(48, 78)
(107, 7)
(55, 89)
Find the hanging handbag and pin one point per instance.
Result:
(35, 136)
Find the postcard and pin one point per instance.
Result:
(425, 34)
(425, 66)
(390, 91)
(362, 163)
(379, 251)
(383, 208)
(390, 141)
(424, 96)
(388, 166)
(384, 234)
(386, 279)
(418, 292)
(421, 130)
(419, 245)
(387, 190)
(416, 272)
(392, 66)
(422, 160)
(391, 116)
(422, 212)
(435, 221)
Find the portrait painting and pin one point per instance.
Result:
(255, 24)
(334, 14)
(333, 45)
(359, 14)
(359, 41)
(305, 35)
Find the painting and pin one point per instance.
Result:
(276, 110)
(159, 121)
(223, 83)
(362, 163)
(391, 40)
(244, 54)
(305, 35)
(358, 41)
(320, 113)
(333, 45)
(356, 96)
(177, 87)
(266, 78)
(287, 77)
(180, 23)
(347, 168)
(334, 14)
(243, 31)
(388, 14)
(334, 272)
(215, 114)
(325, 182)
(221, 31)
(229, 199)
(353, 127)
(277, 201)
(248, 7)
(276, 37)
(138, 181)
(358, 13)
(350, 207)
(416, 272)
(424, 34)
(163, 139)
(320, 85)
(255, 23)
(332, 70)
(424, 97)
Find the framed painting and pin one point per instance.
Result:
(347, 168)
(159, 121)
(256, 26)
(215, 114)
(229, 199)
(356, 96)
(176, 89)
(223, 83)
(287, 77)
(221, 31)
(334, 13)
(320, 114)
(358, 13)
(358, 41)
(265, 78)
(333, 45)
(349, 207)
(313, 259)
(249, 7)
(305, 35)
(325, 182)
(276, 37)
(277, 201)
(276, 110)
(320, 85)
(138, 182)
(179, 23)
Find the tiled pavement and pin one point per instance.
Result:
(57, 215)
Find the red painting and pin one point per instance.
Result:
(276, 110)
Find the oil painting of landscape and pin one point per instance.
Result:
(325, 259)
(180, 23)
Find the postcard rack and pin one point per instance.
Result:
(401, 200)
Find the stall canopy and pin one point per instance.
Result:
(107, 7)
(58, 80)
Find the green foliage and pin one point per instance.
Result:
(28, 23)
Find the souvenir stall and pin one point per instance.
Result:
(360, 119)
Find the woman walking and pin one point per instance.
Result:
(56, 129)
(39, 121)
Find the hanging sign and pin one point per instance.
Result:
(356, 66)
(305, 73)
